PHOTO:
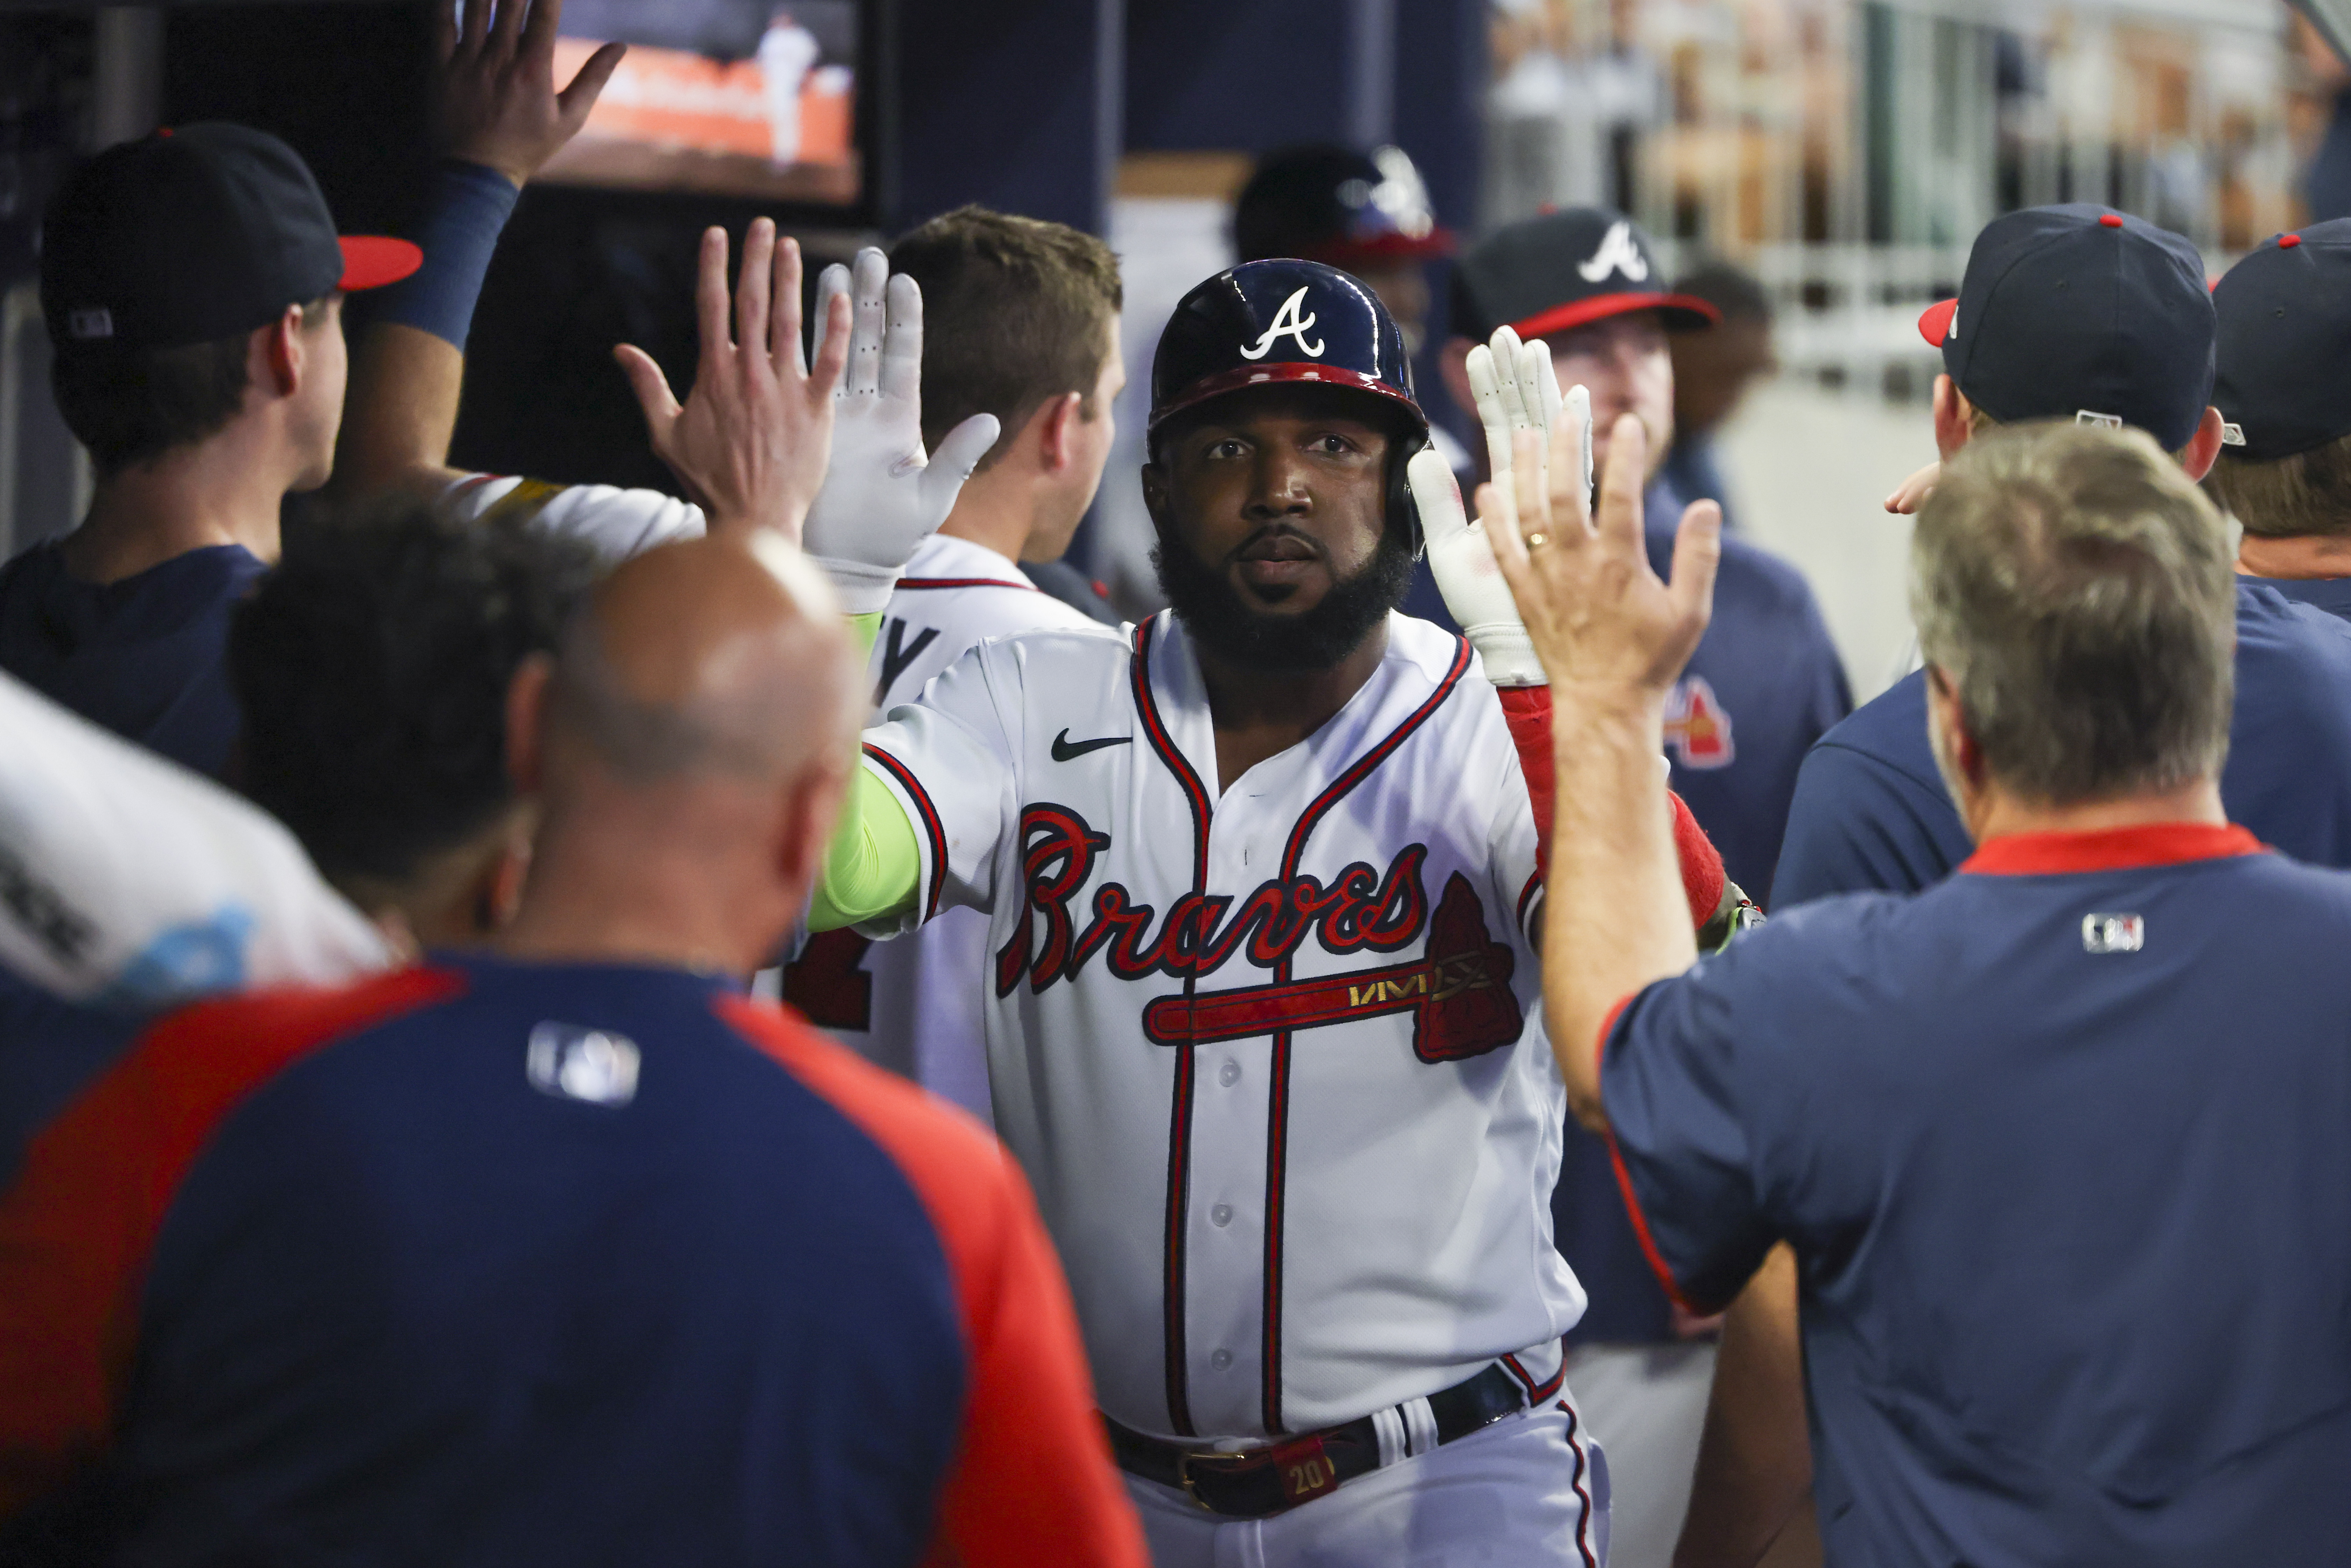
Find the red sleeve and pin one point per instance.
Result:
(1527, 711)
(1032, 1480)
(79, 1220)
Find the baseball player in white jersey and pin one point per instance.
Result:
(1020, 321)
(1259, 878)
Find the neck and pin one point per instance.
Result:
(1256, 714)
(222, 491)
(591, 901)
(1996, 814)
(993, 509)
(2298, 556)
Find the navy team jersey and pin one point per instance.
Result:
(490, 1263)
(1871, 813)
(1764, 685)
(2332, 594)
(147, 657)
(2059, 1143)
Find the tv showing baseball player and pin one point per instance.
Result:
(730, 98)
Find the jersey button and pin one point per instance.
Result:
(1229, 1073)
(1221, 1215)
(1221, 1360)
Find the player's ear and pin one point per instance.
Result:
(1056, 423)
(1154, 493)
(1954, 417)
(810, 808)
(276, 357)
(526, 696)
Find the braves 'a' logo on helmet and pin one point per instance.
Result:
(1286, 322)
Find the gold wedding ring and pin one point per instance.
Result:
(1537, 540)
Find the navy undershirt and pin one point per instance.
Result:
(146, 657)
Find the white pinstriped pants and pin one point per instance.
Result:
(1529, 1489)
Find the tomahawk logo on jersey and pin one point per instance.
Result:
(913, 1005)
(1264, 1051)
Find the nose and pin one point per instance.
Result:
(1278, 486)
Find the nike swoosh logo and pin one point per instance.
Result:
(1065, 751)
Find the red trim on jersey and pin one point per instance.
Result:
(1624, 1177)
(1175, 1342)
(920, 583)
(1031, 1480)
(79, 1221)
(1526, 901)
(1537, 1393)
(1276, 1131)
(2114, 848)
(932, 826)
(1577, 1480)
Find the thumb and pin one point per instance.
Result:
(1698, 553)
(1436, 495)
(573, 102)
(645, 380)
(960, 451)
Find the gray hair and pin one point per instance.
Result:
(2077, 591)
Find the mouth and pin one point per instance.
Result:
(1276, 561)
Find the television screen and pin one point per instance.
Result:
(731, 98)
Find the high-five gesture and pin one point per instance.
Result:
(751, 442)
(1598, 616)
(1516, 392)
(883, 496)
(498, 105)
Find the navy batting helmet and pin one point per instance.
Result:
(1267, 323)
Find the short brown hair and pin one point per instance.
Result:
(2308, 493)
(129, 405)
(1015, 311)
(2077, 591)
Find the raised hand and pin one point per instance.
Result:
(751, 442)
(1599, 618)
(497, 103)
(1912, 493)
(1514, 387)
(883, 496)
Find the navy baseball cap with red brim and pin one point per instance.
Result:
(2080, 313)
(1563, 270)
(195, 234)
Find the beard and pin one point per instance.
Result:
(1213, 610)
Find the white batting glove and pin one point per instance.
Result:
(1463, 564)
(882, 495)
(1512, 384)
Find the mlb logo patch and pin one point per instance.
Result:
(570, 1062)
(2113, 933)
(2103, 420)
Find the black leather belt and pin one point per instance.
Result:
(1260, 1483)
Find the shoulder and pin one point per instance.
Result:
(958, 1170)
(1890, 730)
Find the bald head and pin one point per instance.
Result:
(690, 747)
(709, 659)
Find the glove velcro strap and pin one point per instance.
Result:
(864, 587)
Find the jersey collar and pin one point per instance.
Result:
(2114, 848)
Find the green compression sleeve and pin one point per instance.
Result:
(873, 867)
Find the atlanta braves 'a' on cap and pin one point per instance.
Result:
(2285, 342)
(2079, 312)
(1330, 204)
(1557, 271)
(193, 234)
(1271, 321)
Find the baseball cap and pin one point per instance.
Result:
(2285, 337)
(1557, 271)
(196, 234)
(2079, 312)
(1279, 320)
(1339, 206)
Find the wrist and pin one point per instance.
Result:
(467, 209)
(1589, 716)
(864, 587)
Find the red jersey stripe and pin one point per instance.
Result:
(1032, 1480)
(78, 1224)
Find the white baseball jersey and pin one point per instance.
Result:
(1268, 1053)
(913, 1004)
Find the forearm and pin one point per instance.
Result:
(1755, 1460)
(408, 366)
(873, 867)
(1615, 916)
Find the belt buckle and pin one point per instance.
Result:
(1301, 1467)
